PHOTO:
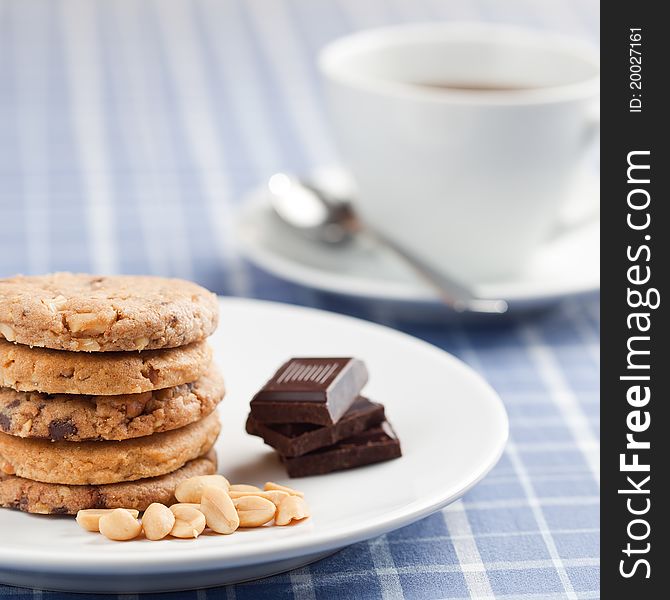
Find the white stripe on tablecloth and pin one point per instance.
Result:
(82, 57)
(534, 503)
(465, 545)
(523, 397)
(382, 559)
(535, 446)
(196, 111)
(563, 397)
(145, 128)
(491, 535)
(543, 470)
(230, 592)
(496, 565)
(30, 66)
(540, 596)
(37, 594)
(470, 355)
(276, 35)
(302, 584)
(501, 476)
(233, 53)
(549, 421)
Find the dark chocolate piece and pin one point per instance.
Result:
(310, 390)
(377, 444)
(296, 439)
(60, 429)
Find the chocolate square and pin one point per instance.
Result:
(310, 390)
(377, 444)
(296, 439)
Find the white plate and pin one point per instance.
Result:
(566, 265)
(451, 424)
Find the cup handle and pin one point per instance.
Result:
(588, 208)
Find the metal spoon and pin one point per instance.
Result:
(324, 218)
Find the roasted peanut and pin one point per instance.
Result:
(157, 521)
(119, 525)
(191, 504)
(89, 518)
(274, 496)
(141, 343)
(92, 323)
(189, 522)
(244, 487)
(254, 511)
(7, 332)
(292, 508)
(55, 304)
(88, 345)
(219, 510)
(190, 490)
(271, 485)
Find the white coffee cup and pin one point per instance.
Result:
(470, 180)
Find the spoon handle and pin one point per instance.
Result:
(452, 292)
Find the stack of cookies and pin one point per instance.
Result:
(108, 391)
(311, 412)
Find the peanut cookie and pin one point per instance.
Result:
(107, 374)
(84, 463)
(80, 418)
(52, 498)
(67, 311)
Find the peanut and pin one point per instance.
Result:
(87, 345)
(119, 525)
(141, 343)
(89, 518)
(219, 510)
(244, 487)
(191, 504)
(270, 485)
(189, 522)
(157, 521)
(55, 304)
(254, 511)
(7, 332)
(92, 323)
(274, 496)
(292, 508)
(190, 490)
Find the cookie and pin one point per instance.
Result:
(77, 312)
(111, 373)
(85, 463)
(52, 498)
(81, 418)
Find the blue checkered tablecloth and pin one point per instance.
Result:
(130, 129)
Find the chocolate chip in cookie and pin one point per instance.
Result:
(61, 429)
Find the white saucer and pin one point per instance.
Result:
(568, 264)
(452, 433)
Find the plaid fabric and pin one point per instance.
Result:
(128, 132)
